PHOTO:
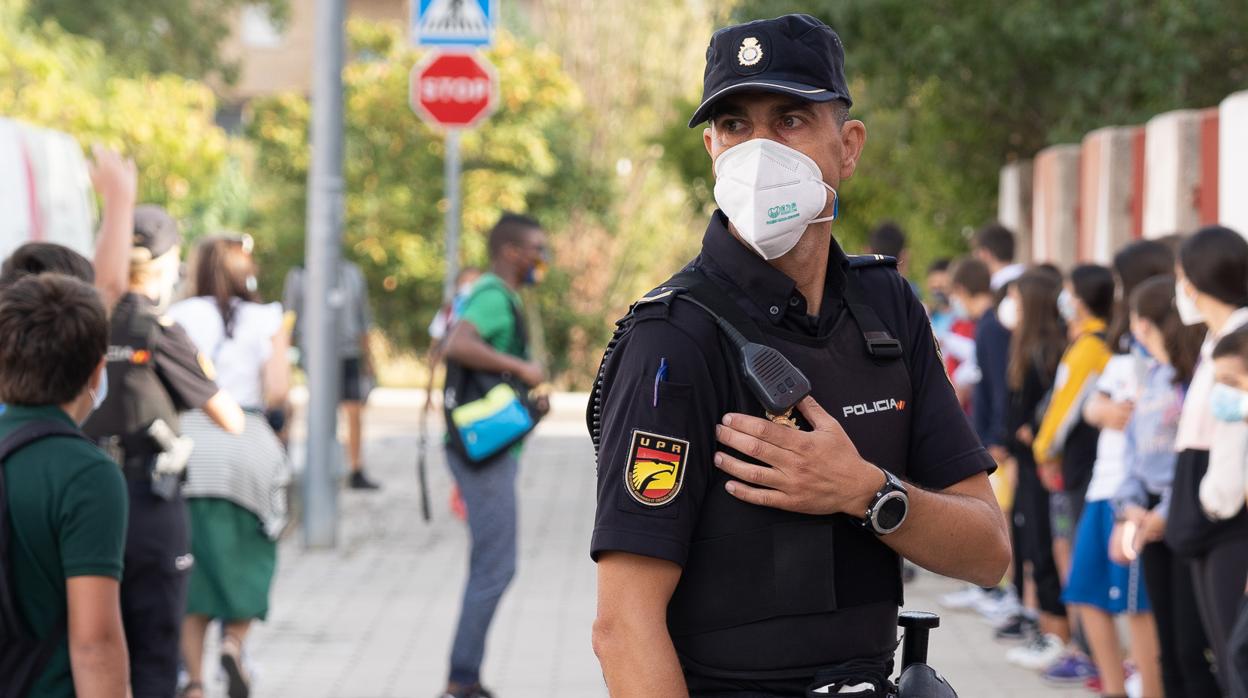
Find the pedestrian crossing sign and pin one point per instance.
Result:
(454, 22)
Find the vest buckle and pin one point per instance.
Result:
(882, 345)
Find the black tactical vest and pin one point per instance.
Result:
(136, 396)
(770, 594)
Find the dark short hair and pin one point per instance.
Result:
(1215, 261)
(1133, 265)
(972, 275)
(938, 265)
(887, 239)
(1234, 343)
(997, 239)
(510, 230)
(53, 333)
(1094, 285)
(40, 257)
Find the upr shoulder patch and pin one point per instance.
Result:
(656, 468)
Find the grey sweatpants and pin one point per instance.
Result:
(489, 492)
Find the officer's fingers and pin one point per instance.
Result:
(748, 472)
(755, 495)
(817, 416)
(772, 433)
(752, 446)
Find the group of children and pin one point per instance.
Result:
(1114, 400)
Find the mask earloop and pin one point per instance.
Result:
(836, 206)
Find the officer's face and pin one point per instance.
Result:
(808, 127)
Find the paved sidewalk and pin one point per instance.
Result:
(373, 619)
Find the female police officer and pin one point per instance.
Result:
(737, 553)
(154, 372)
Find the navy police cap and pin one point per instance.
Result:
(795, 54)
(155, 229)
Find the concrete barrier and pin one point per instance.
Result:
(1014, 205)
(1233, 162)
(1106, 183)
(1172, 167)
(1055, 205)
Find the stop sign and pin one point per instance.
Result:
(455, 90)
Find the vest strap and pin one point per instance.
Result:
(881, 344)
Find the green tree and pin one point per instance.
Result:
(156, 36)
(527, 157)
(54, 79)
(951, 90)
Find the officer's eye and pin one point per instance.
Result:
(791, 121)
(731, 125)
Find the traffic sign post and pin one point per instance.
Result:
(454, 91)
(447, 23)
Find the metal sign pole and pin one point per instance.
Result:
(325, 189)
(452, 214)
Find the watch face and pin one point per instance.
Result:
(891, 512)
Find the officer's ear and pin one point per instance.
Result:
(853, 138)
(706, 142)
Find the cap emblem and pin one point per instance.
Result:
(750, 52)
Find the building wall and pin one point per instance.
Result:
(276, 63)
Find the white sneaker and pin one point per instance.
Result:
(1042, 651)
(1135, 685)
(962, 600)
(998, 605)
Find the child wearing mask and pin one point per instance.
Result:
(1142, 501)
(1222, 491)
(1098, 588)
(1065, 444)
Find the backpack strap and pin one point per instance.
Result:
(881, 344)
(21, 671)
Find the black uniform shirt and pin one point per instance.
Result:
(184, 372)
(654, 429)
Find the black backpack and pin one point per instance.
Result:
(22, 656)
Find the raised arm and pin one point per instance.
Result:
(115, 179)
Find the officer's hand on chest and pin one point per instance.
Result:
(812, 472)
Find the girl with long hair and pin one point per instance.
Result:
(236, 484)
(1029, 310)
(1212, 286)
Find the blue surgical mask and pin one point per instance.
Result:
(1228, 404)
(958, 308)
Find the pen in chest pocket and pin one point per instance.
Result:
(659, 376)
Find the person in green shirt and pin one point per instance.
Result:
(65, 499)
(487, 337)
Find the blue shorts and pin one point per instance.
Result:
(1095, 580)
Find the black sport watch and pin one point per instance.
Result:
(888, 508)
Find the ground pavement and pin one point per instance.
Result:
(374, 618)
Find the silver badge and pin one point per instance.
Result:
(750, 53)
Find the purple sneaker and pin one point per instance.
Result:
(1070, 668)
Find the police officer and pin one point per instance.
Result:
(747, 554)
(154, 372)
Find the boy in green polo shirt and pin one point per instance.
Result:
(65, 500)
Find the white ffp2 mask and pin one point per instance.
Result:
(1189, 314)
(771, 193)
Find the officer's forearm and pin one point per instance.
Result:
(222, 409)
(959, 532)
